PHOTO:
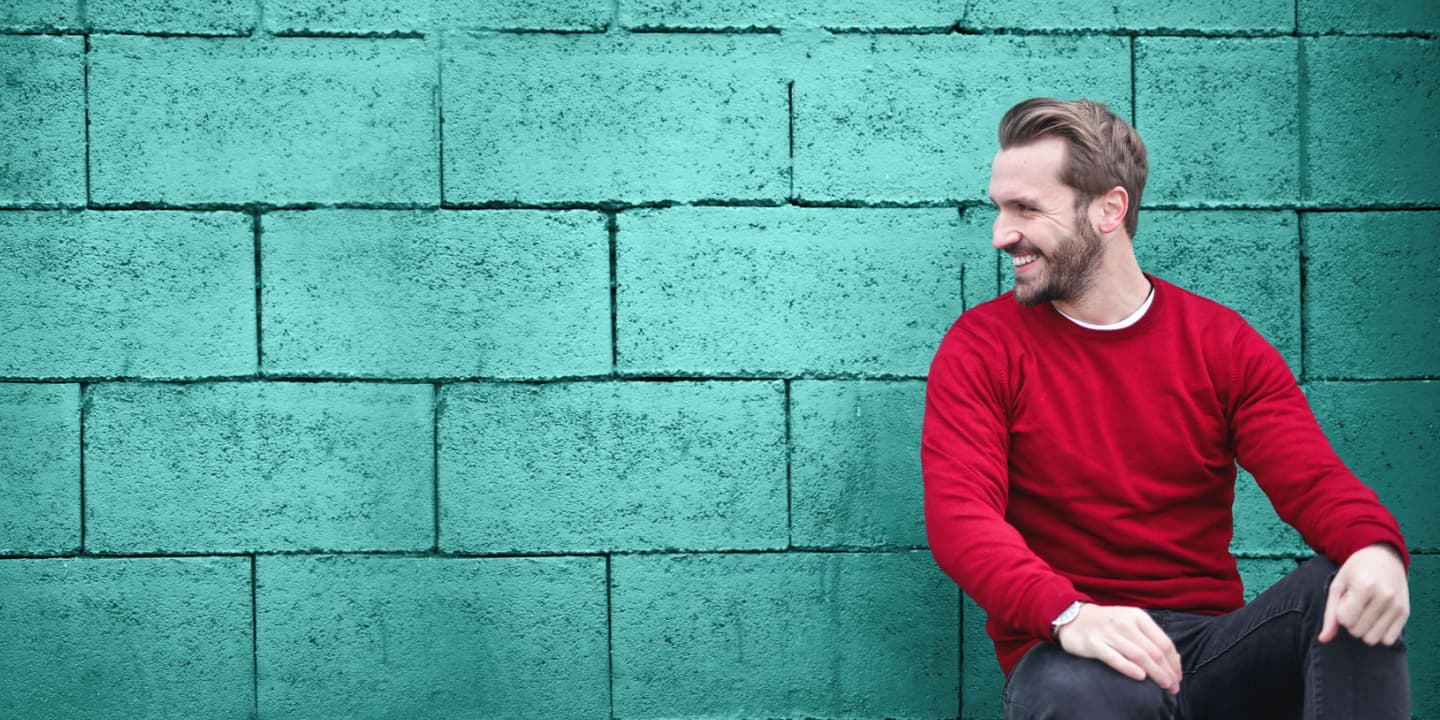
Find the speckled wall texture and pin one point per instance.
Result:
(449, 359)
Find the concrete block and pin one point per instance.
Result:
(1373, 121)
(1259, 574)
(373, 17)
(855, 463)
(39, 468)
(1259, 532)
(424, 637)
(982, 684)
(42, 118)
(41, 16)
(132, 294)
(789, 14)
(126, 638)
(435, 294)
(977, 232)
(595, 467)
(615, 118)
(804, 290)
(1422, 635)
(1247, 260)
(1387, 434)
(1220, 120)
(287, 121)
(246, 467)
(211, 17)
(1369, 16)
(909, 119)
(1371, 300)
(784, 635)
(1223, 17)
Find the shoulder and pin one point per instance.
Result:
(995, 322)
(1198, 313)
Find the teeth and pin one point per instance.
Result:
(1019, 260)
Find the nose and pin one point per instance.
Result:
(1002, 236)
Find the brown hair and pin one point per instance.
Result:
(1104, 151)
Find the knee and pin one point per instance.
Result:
(1054, 685)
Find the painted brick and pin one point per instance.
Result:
(1259, 532)
(595, 467)
(855, 464)
(39, 468)
(1373, 121)
(755, 14)
(242, 467)
(348, 637)
(1247, 260)
(133, 294)
(805, 290)
(1422, 636)
(1225, 16)
(913, 118)
(615, 118)
(981, 681)
(399, 16)
(784, 635)
(289, 121)
(1369, 16)
(42, 118)
(427, 294)
(1387, 434)
(1220, 119)
(1259, 574)
(212, 17)
(977, 232)
(133, 637)
(1362, 318)
(40, 15)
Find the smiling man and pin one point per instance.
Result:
(1079, 449)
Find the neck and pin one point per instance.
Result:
(1117, 288)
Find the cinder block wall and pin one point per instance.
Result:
(449, 359)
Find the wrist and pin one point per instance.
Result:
(1065, 617)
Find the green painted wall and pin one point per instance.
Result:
(566, 359)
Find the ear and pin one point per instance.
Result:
(1113, 206)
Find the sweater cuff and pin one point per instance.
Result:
(1050, 608)
(1365, 535)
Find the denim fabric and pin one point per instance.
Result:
(1261, 661)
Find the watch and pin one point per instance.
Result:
(1065, 617)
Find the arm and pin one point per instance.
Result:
(964, 459)
(1277, 438)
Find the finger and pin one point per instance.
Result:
(1170, 657)
(1112, 657)
(1372, 623)
(1351, 609)
(1397, 626)
(1330, 624)
(1140, 651)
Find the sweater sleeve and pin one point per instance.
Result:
(964, 459)
(1276, 438)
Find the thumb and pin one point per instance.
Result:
(1331, 623)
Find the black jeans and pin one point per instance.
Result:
(1261, 661)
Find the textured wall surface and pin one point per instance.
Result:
(441, 359)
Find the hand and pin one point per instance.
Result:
(1369, 597)
(1125, 638)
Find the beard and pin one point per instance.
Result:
(1069, 267)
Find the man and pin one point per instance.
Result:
(1079, 449)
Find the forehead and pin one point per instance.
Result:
(1029, 170)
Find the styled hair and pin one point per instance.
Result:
(1104, 151)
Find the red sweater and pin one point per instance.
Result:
(1063, 463)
